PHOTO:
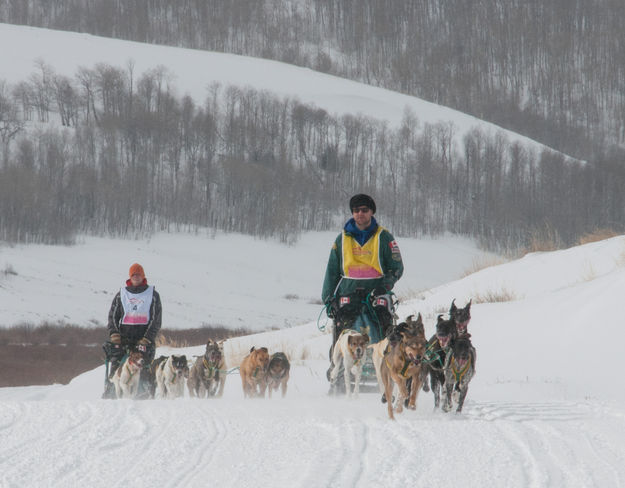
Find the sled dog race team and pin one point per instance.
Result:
(364, 264)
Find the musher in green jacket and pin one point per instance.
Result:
(364, 260)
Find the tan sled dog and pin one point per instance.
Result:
(253, 372)
(410, 326)
(399, 363)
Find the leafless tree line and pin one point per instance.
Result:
(550, 69)
(108, 152)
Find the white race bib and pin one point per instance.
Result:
(136, 306)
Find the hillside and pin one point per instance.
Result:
(124, 138)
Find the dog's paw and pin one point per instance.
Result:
(426, 387)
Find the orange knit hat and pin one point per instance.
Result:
(136, 268)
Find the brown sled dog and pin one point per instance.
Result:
(278, 372)
(399, 363)
(253, 372)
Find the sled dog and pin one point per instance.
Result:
(351, 347)
(434, 359)
(459, 370)
(170, 376)
(399, 363)
(461, 317)
(253, 372)
(278, 372)
(207, 372)
(126, 377)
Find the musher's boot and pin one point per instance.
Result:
(109, 391)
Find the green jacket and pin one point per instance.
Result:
(392, 267)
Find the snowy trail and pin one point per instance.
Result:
(307, 439)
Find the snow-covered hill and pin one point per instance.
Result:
(546, 407)
(195, 70)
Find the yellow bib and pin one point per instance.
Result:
(362, 262)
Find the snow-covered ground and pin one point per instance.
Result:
(217, 279)
(544, 409)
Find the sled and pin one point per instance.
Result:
(365, 321)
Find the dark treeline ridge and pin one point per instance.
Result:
(64, 334)
(126, 156)
(549, 69)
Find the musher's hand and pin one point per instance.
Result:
(330, 306)
(116, 338)
(380, 290)
(144, 342)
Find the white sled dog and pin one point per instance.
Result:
(352, 347)
(170, 377)
(126, 376)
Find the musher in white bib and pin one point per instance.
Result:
(133, 323)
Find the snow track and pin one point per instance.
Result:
(307, 439)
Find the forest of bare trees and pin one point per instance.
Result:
(553, 70)
(120, 154)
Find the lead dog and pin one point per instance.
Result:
(435, 355)
(207, 373)
(411, 326)
(253, 372)
(278, 373)
(126, 376)
(461, 317)
(170, 376)
(351, 347)
(459, 370)
(401, 362)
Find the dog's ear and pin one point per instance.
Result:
(453, 307)
(439, 319)
(366, 336)
(468, 307)
(252, 350)
(419, 319)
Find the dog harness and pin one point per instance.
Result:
(136, 306)
(130, 373)
(407, 363)
(433, 355)
(211, 369)
(459, 373)
(362, 262)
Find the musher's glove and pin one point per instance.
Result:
(116, 338)
(380, 290)
(330, 307)
(144, 342)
